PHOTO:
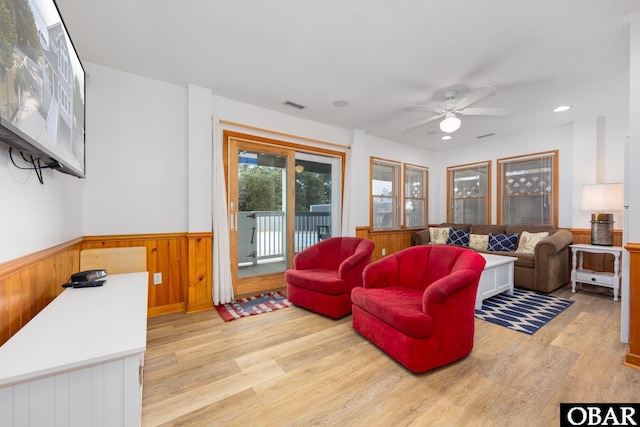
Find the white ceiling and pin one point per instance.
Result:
(379, 55)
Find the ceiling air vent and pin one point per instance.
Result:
(294, 105)
(485, 136)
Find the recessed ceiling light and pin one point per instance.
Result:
(341, 103)
(446, 137)
(561, 108)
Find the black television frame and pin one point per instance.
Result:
(58, 66)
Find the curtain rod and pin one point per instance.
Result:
(288, 135)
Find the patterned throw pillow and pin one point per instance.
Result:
(479, 242)
(528, 241)
(502, 242)
(458, 237)
(438, 235)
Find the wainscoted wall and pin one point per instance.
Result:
(29, 283)
(390, 241)
(633, 355)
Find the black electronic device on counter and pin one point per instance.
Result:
(88, 276)
(84, 284)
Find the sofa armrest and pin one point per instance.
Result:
(554, 243)
(421, 237)
(551, 261)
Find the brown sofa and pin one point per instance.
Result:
(545, 270)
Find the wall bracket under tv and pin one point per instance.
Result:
(42, 90)
(36, 164)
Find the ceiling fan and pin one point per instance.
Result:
(452, 107)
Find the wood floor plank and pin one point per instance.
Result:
(292, 367)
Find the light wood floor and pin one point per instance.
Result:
(295, 368)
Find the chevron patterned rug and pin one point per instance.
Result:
(524, 311)
(252, 305)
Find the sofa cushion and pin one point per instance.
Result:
(479, 242)
(488, 228)
(458, 237)
(528, 241)
(502, 242)
(517, 229)
(438, 235)
(398, 306)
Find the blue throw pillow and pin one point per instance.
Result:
(502, 242)
(458, 237)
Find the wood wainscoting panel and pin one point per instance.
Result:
(166, 254)
(28, 284)
(200, 272)
(633, 356)
(391, 241)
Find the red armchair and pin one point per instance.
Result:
(417, 305)
(325, 274)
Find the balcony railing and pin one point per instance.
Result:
(261, 234)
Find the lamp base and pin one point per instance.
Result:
(602, 229)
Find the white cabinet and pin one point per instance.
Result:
(600, 278)
(79, 361)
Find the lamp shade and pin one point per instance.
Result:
(602, 197)
(450, 123)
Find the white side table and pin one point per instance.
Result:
(600, 278)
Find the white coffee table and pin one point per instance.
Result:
(497, 277)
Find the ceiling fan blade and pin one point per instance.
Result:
(437, 110)
(421, 122)
(479, 111)
(474, 97)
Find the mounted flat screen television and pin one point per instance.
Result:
(42, 87)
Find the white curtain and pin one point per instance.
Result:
(347, 229)
(222, 291)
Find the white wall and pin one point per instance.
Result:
(34, 217)
(559, 138)
(136, 154)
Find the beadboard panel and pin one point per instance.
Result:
(29, 283)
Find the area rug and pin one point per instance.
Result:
(250, 306)
(524, 311)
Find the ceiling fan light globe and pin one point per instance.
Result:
(450, 124)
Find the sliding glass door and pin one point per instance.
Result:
(280, 202)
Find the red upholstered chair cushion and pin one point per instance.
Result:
(398, 306)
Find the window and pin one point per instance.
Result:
(385, 177)
(469, 193)
(415, 196)
(528, 189)
(392, 208)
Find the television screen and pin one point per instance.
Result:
(42, 86)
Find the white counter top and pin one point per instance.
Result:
(80, 327)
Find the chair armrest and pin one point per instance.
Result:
(307, 258)
(421, 237)
(382, 273)
(443, 288)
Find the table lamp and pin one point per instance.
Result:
(601, 200)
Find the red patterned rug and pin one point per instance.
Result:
(250, 306)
